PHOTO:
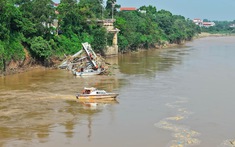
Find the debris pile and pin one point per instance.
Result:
(85, 62)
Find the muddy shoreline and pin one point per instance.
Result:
(15, 68)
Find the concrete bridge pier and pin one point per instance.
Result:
(113, 49)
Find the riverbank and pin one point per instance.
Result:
(17, 68)
(205, 34)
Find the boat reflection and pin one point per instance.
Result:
(92, 107)
(96, 104)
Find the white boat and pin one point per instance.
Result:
(93, 94)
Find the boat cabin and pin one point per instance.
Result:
(100, 92)
(88, 90)
(93, 90)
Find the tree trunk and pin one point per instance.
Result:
(4, 65)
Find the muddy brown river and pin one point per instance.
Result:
(178, 97)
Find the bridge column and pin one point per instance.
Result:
(108, 24)
(115, 39)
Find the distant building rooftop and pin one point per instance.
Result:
(197, 20)
(56, 4)
(127, 9)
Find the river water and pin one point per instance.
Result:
(176, 97)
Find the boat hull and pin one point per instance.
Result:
(107, 97)
(99, 102)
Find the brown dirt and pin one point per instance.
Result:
(204, 34)
(27, 64)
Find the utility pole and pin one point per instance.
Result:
(102, 10)
(113, 4)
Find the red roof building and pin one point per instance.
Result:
(208, 24)
(56, 4)
(197, 20)
(127, 9)
(200, 23)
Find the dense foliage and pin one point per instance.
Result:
(27, 27)
(224, 27)
(148, 27)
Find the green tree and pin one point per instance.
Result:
(95, 6)
(2, 57)
(139, 29)
(67, 45)
(10, 36)
(40, 48)
(111, 8)
(44, 14)
(165, 21)
(99, 42)
(150, 10)
(28, 24)
(29, 28)
(38, 17)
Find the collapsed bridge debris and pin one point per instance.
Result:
(85, 62)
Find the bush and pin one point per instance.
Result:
(67, 45)
(40, 48)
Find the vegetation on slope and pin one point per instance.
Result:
(26, 28)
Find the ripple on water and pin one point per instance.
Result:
(184, 142)
(175, 118)
(183, 135)
(229, 143)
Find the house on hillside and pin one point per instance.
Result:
(208, 24)
(143, 11)
(232, 26)
(200, 23)
(128, 9)
(55, 4)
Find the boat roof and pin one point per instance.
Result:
(89, 88)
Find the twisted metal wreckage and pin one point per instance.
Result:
(84, 63)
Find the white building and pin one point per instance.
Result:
(200, 23)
